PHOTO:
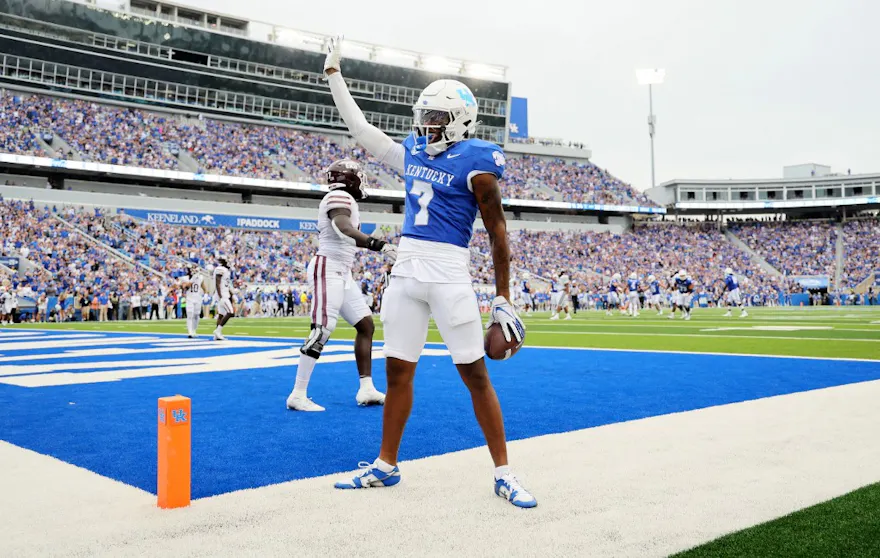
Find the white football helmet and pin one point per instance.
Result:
(728, 271)
(615, 277)
(651, 278)
(682, 274)
(445, 113)
(633, 275)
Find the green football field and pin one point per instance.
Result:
(847, 332)
(845, 526)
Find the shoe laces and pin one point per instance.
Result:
(366, 467)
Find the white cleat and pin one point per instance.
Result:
(301, 403)
(687, 318)
(728, 314)
(218, 336)
(568, 316)
(369, 396)
(744, 314)
(671, 316)
(554, 317)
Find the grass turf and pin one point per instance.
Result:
(845, 527)
(810, 332)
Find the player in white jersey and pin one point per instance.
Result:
(194, 286)
(560, 294)
(223, 292)
(4, 296)
(335, 291)
(449, 177)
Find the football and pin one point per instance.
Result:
(495, 345)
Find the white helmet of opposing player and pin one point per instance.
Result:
(728, 271)
(633, 275)
(445, 113)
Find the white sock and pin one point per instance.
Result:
(501, 471)
(303, 374)
(382, 466)
(367, 383)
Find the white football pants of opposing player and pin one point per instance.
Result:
(193, 314)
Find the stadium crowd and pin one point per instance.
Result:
(861, 241)
(136, 137)
(792, 247)
(111, 263)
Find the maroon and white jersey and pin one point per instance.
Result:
(329, 244)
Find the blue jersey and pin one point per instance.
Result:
(632, 284)
(554, 286)
(440, 206)
(612, 288)
(655, 287)
(684, 285)
(525, 287)
(731, 283)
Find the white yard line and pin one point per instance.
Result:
(643, 488)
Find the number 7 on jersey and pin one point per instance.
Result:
(425, 192)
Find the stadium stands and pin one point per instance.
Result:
(861, 242)
(135, 137)
(794, 248)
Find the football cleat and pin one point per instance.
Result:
(568, 316)
(218, 336)
(369, 396)
(728, 314)
(744, 314)
(508, 487)
(302, 403)
(370, 477)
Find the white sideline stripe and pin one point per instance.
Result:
(74, 335)
(79, 342)
(649, 487)
(702, 335)
(745, 355)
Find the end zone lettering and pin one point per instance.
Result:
(255, 223)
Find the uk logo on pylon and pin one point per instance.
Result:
(179, 416)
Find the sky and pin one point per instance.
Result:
(751, 86)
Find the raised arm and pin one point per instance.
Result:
(372, 138)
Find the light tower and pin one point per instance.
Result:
(651, 77)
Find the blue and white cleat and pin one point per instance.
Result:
(371, 477)
(509, 488)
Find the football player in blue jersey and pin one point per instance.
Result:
(683, 294)
(450, 177)
(654, 295)
(633, 286)
(613, 294)
(731, 285)
(526, 293)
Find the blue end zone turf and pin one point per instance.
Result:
(243, 436)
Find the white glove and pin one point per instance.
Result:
(334, 53)
(390, 252)
(503, 314)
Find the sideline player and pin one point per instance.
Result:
(225, 309)
(613, 295)
(335, 291)
(195, 287)
(449, 177)
(731, 285)
(681, 298)
(654, 294)
(560, 287)
(526, 293)
(633, 287)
